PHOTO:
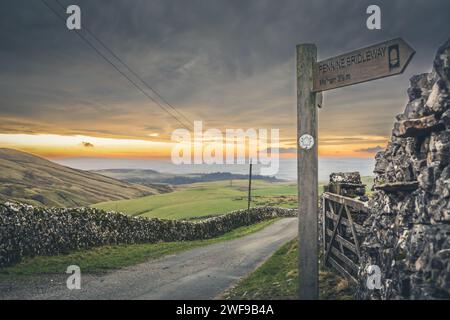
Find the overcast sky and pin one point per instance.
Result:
(230, 63)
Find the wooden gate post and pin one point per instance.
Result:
(307, 171)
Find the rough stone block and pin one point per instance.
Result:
(415, 127)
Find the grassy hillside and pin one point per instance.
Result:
(135, 174)
(30, 179)
(203, 199)
(145, 176)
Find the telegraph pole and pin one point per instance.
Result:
(249, 185)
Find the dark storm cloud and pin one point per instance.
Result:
(228, 62)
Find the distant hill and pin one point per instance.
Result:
(145, 176)
(30, 179)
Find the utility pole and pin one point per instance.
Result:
(307, 171)
(249, 185)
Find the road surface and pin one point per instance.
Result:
(200, 273)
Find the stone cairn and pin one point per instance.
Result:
(408, 234)
(346, 184)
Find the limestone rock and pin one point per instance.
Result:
(408, 228)
(345, 177)
(415, 127)
(346, 183)
(441, 63)
(397, 186)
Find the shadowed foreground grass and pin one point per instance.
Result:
(118, 256)
(277, 278)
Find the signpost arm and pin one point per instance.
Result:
(307, 171)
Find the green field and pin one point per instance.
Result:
(204, 199)
(209, 198)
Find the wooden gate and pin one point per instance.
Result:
(342, 219)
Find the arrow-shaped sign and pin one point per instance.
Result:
(374, 62)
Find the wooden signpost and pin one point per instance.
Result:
(378, 61)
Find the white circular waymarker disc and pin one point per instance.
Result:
(306, 141)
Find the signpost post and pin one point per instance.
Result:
(378, 61)
(307, 163)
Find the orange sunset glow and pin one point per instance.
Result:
(59, 146)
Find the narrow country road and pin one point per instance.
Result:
(201, 273)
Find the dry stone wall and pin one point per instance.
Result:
(30, 231)
(409, 226)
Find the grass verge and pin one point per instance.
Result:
(105, 258)
(277, 278)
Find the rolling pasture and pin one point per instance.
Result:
(205, 199)
(199, 200)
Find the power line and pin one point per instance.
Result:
(130, 69)
(115, 67)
